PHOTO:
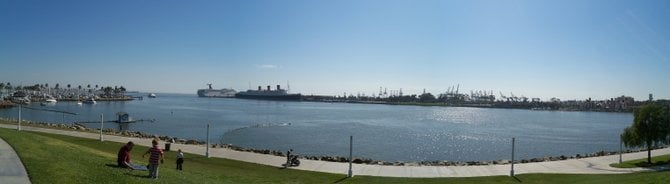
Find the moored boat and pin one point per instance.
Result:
(216, 93)
(269, 94)
(89, 101)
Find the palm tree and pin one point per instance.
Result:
(9, 87)
(69, 93)
(108, 90)
(2, 88)
(122, 90)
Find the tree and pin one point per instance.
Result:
(651, 125)
(108, 90)
(122, 89)
(9, 87)
(426, 97)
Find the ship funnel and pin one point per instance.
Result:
(278, 88)
(259, 88)
(268, 87)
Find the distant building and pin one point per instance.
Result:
(651, 97)
(622, 103)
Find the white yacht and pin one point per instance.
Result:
(89, 101)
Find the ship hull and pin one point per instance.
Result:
(216, 93)
(288, 97)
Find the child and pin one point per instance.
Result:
(180, 159)
(156, 154)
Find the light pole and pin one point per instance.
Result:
(511, 172)
(351, 143)
(207, 148)
(620, 148)
(101, 126)
(18, 127)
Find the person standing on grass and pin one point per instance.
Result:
(123, 157)
(156, 153)
(180, 159)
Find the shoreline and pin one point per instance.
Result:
(327, 158)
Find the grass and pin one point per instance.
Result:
(655, 161)
(51, 158)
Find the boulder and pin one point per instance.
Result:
(500, 162)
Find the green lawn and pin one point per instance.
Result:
(657, 160)
(51, 158)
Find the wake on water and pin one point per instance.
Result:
(262, 125)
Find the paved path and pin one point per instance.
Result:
(11, 167)
(593, 165)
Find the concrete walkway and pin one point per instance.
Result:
(11, 167)
(593, 165)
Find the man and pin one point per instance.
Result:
(123, 157)
(156, 153)
(288, 158)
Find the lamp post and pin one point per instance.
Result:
(351, 143)
(620, 148)
(101, 126)
(511, 172)
(207, 148)
(18, 127)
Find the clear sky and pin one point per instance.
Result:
(566, 49)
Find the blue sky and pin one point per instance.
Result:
(566, 49)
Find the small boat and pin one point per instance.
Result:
(48, 100)
(152, 95)
(79, 103)
(22, 101)
(89, 101)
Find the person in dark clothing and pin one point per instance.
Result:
(123, 157)
(288, 158)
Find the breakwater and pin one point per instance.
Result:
(6, 104)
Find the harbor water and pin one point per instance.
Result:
(381, 132)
